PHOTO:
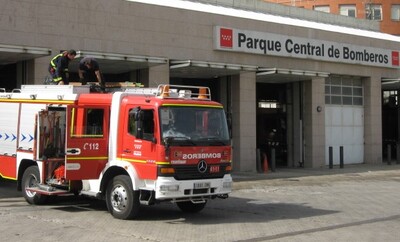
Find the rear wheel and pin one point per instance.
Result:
(190, 207)
(122, 200)
(31, 178)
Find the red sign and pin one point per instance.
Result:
(226, 38)
(395, 58)
(214, 169)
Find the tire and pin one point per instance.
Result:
(30, 178)
(189, 207)
(122, 201)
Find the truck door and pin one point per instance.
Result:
(140, 147)
(87, 141)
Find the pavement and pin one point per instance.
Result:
(356, 203)
(309, 176)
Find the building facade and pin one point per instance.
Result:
(386, 12)
(299, 87)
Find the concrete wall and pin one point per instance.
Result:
(314, 123)
(118, 26)
(372, 120)
(244, 121)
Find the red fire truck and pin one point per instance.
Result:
(130, 147)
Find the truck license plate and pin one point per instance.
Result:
(200, 185)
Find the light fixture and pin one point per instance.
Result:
(319, 109)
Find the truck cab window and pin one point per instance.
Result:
(94, 122)
(87, 122)
(147, 124)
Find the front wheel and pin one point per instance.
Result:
(190, 207)
(31, 178)
(122, 201)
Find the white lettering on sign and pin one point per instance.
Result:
(229, 39)
(176, 162)
(137, 147)
(91, 146)
(73, 166)
(201, 156)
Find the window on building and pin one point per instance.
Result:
(341, 90)
(269, 104)
(396, 12)
(373, 11)
(348, 10)
(322, 8)
(390, 98)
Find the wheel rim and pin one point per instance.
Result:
(31, 182)
(119, 198)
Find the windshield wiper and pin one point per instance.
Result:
(178, 140)
(213, 140)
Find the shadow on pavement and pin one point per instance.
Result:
(8, 189)
(235, 210)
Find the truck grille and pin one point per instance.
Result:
(188, 172)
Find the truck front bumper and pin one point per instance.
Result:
(168, 188)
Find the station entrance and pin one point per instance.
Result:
(8, 76)
(272, 121)
(390, 120)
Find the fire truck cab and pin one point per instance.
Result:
(130, 147)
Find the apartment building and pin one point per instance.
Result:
(386, 12)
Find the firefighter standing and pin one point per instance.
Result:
(58, 67)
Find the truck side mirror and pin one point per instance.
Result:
(137, 115)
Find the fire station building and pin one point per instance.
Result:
(304, 84)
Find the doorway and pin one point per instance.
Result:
(8, 76)
(272, 121)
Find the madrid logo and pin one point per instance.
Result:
(226, 38)
(395, 58)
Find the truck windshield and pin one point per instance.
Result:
(193, 126)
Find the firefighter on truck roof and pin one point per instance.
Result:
(58, 67)
(89, 71)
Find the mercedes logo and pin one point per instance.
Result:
(202, 166)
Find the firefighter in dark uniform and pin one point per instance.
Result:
(89, 71)
(58, 67)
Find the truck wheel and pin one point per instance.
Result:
(30, 178)
(122, 201)
(189, 207)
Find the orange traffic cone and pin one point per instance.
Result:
(265, 163)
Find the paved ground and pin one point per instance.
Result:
(357, 203)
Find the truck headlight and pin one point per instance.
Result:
(169, 188)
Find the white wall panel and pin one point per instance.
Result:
(28, 113)
(8, 128)
(344, 126)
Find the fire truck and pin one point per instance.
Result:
(130, 147)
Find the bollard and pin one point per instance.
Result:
(273, 162)
(330, 157)
(398, 153)
(389, 154)
(258, 161)
(341, 157)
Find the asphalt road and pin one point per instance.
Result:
(355, 206)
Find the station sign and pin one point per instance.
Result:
(237, 40)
